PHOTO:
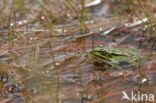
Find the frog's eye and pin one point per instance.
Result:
(106, 54)
(109, 55)
(103, 53)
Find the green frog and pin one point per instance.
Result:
(117, 55)
(121, 58)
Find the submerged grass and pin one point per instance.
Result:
(83, 17)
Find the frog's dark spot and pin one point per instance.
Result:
(106, 54)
